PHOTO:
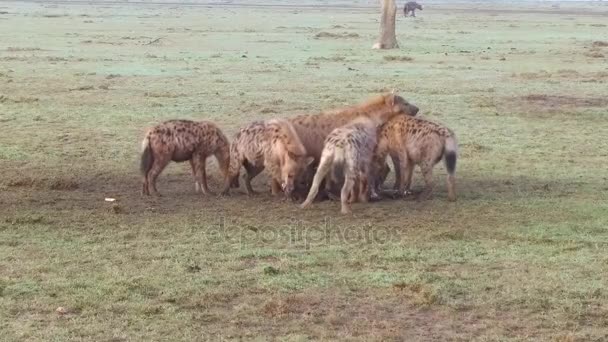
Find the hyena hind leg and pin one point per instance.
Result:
(158, 166)
(200, 164)
(427, 173)
(347, 189)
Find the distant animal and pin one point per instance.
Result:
(351, 148)
(178, 141)
(313, 129)
(415, 141)
(272, 145)
(411, 7)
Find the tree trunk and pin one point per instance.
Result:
(387, 39)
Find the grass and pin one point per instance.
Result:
(520, 256)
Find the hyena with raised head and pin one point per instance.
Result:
(415, 141)
(313, 129)
(178, 141)
(271, 145)
(349, 148)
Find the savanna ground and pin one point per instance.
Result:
(521, 255)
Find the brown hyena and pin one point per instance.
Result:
(313, 129)
(416, 141)
(351, 149)
(272, 145)
(411, 7)
(178, 141)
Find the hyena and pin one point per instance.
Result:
(313, 129)
(178, 141)
(272, 145)
(351, 149)
(411, 7)
(416, 141)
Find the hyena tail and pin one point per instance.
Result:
(147, 157)
(325, 164)
(450, 155)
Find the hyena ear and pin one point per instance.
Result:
(390, 99)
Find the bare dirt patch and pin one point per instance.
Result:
(595, 54)
(556, 101)
(390, 58)
(343, 35)
(66, 184)
(600, 43)
(21, 99)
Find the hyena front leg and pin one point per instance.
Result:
(275, 182)
(275, 187)
(397, 168)
(252, 171)
(197, 185)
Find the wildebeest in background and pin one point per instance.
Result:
(411, 7)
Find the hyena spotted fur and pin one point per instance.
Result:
(410, 8)
(416, 141)
(178, 141)
(314, 128)
(351, 149)
(271, 145)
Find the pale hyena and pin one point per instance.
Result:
(349, 148)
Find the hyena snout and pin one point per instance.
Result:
(412, 110)
(288, 187)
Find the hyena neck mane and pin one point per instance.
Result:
(377, 108)
(380, 107)
(286, 134)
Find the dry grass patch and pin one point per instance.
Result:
(398, 58)
(600, 43)
(344, 35)
(555, 101)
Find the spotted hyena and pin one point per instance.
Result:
(314, 128)
(271, 145)
(416, 141)
(411, 7)
(351, 149)
(178, 141)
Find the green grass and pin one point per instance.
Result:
(520, 255)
